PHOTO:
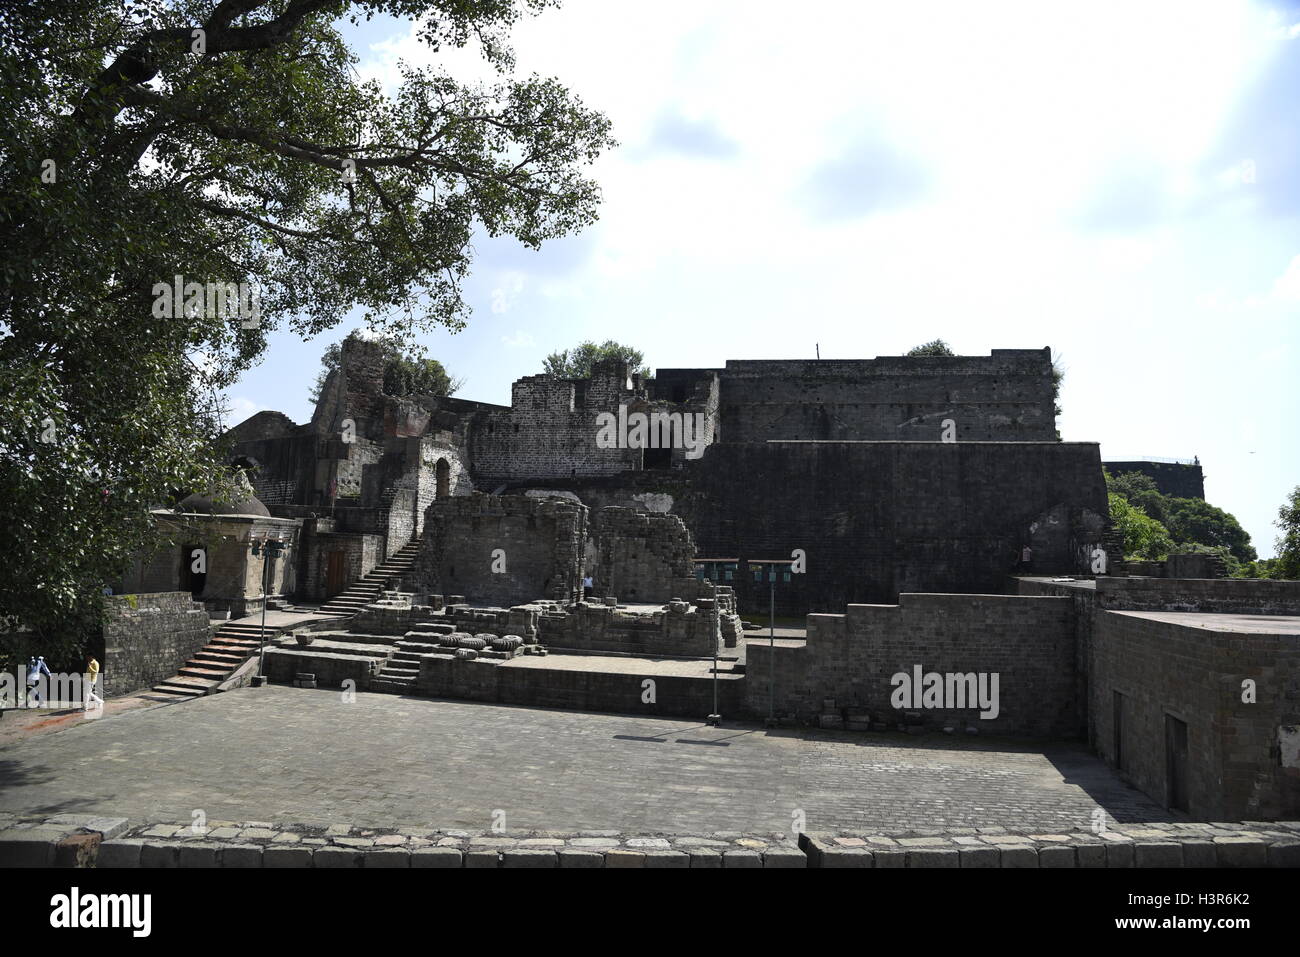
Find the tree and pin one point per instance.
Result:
(1193, 520)
(1288, 543)
(1188, 521)
(1143, 536)
(576, 363)
(405, 373)
(936, 347)
(1141, 491)
(226, 142)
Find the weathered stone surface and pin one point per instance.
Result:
(972, 856)
(240, 855)
(436, 857)
(387, 857)
(933, 857)
(1056, 856)
(1241, 852)
(160, 854)
(119, 853)
(580, 857)
(529, 857)
(784, 857)
(1157, 854)
(286, 856)
(336, 857)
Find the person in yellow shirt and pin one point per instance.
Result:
(92, 676)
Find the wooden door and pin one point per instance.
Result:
(335, 573)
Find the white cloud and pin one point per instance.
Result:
(1286, 288)
(241, 408)
(506, 294)
(519, 340)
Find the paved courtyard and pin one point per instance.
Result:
(290, 755)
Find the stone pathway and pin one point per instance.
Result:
(286, 754)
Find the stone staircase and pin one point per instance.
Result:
(398, 674)
(229, 648)
(368, 587)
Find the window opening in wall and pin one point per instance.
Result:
(442, 473)
(657, 458)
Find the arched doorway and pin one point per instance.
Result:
(194, 569)
(442, 474)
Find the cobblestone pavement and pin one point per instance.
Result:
(293, 755)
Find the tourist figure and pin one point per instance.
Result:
(35, 668)
(586, 587)
(92, 676)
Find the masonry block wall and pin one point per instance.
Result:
(680, 630)
(1226, 596)
(877, 519)
(147, 638)
(503, 549)
(361, 553)
(851, 658)
(1150, 669)
(551, 429)
(641, 556)
(519, 681)
(1005, 396)
(1171, 478)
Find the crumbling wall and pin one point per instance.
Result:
(680, 629)
(502, 549)
(641, 556)
(551, 429)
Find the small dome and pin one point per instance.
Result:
(244, 502)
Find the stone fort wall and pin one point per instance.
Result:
(851, 658)
(877, 519)
(1005, 396)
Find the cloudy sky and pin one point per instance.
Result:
(1118, 181)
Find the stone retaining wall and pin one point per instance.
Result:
(84, 841)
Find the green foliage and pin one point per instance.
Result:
(1189, 522)
(128, 157)
(405, 372)
(576, 363)
(936, 347)
(1288, 543)
(1192, 520)
(1144, 537)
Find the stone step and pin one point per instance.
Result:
(195, 669)
(174, 694)
(385, 686)
(219, 657)
(238, 651)
(175, 686)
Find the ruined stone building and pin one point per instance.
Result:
(943, 530)
(892, 474)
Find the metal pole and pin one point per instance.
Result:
(771, 648)
(266, 565)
